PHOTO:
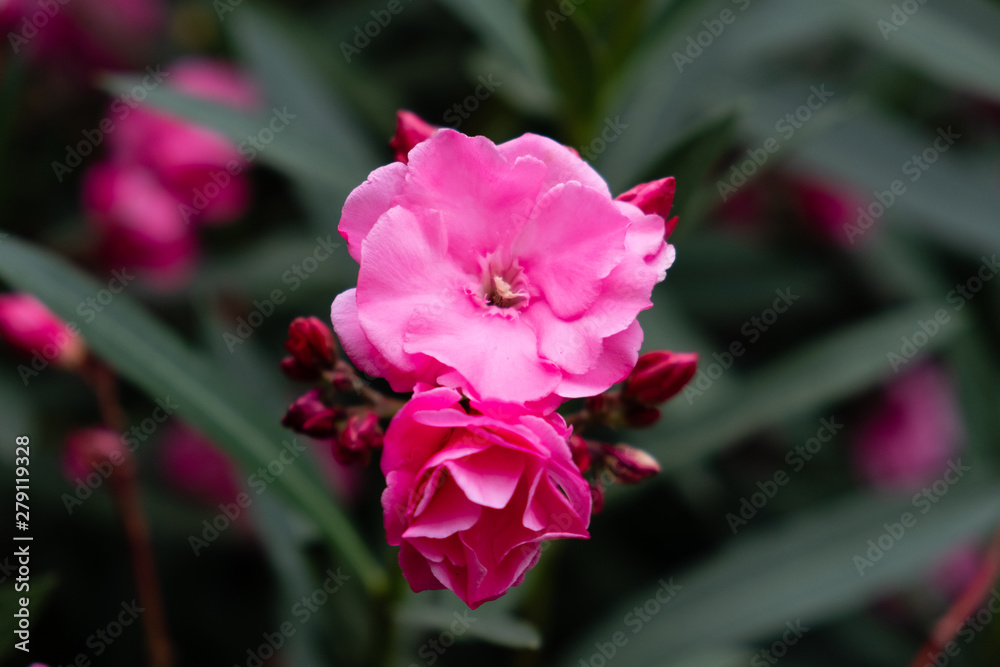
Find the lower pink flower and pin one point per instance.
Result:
(472, 494)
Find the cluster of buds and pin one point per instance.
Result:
(342, 409)
(657, 377)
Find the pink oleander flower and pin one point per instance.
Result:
(506, 271)
(908, 442)
(139, 225)
(471, 495)
(31, 328)
(203, 170)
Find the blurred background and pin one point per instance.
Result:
(172, 178)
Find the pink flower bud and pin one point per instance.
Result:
(32, 328)
(629, 464)
(654, 198)
(596, 497)
(640, 416)
(580, 451)
(311, 416)
(361, 434)
(312, 347)
(659, 375)
(92, 450)
(197, 467)
(830, 207)
(411, 129)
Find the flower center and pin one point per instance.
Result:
(502, 295)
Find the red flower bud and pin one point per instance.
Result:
(411, 129)
(580, 451)
(659, 375)
(312, 347)
(640, 416)
(654, 198)
(311, 416)
(629, 464)
(596, 496)
(94, 449)
(30, 327)
(361, 434)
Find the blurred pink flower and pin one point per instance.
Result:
(506, 271)
(470, 497)
(31, 328)
(197, 467)
(915, 431)
(93, 449)
(83, 35)
(139, 224)
(202, 169)
(829, 207)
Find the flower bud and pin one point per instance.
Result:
(596, 497)
(653, 198)
(640, 416)
(580, 451)
(93, 449)
(361, 434)
(312, 347)
(311, 416)
(659, 375)
(411, 129)
(30, 327)
(629, 464)
(197, 467)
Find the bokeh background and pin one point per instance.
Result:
(838, 187)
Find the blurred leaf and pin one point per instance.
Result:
(804, 569)
(955, 42)
(508, 36)
(155, 360)
(481, 624)
(810, 378)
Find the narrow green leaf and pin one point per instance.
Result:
(154, 359)
(488, 626)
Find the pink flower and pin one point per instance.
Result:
(831, 208)
(197, 467)
(907, 443)
(471, 496)
(93, 449)
(139, 224)
(411, 130)
(30, 327)
(505, 271)
(203, 170)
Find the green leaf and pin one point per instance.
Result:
(488, 626)
(810, 378)
(804, 569)
(153, 358)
